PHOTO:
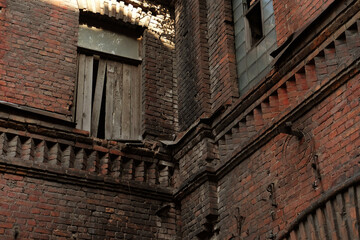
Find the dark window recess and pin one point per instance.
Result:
(253, 16)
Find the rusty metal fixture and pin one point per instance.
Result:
(239, 221)
(287, 128)
(271, 189)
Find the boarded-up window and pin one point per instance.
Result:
(109, 91)
(108, 98)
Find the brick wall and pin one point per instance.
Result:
(222, 63)
(192, 52)
(2, 29)
(199, 210)
(334, 125)
(284, 164)
(292, 15)
(191, 160)
(160, 85)
(38, 59)
(41, 209)
(206, 68)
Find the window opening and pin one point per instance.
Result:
(108, 103)
(255, 25)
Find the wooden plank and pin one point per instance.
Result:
(302, 232)
(340, 221)
(357, 204)
(98, 97)
(351, 215)
(331, 221)
(109, 105)
(310, 227)
(126, 115)
(88, 82)
(80, 91)
(321, 224)
(138, 129)
(117, 112)
(135, 127)
(293, 235)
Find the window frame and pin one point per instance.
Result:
(247, 11)
(120, 60)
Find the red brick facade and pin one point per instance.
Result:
(38, 209)
(291, 16)
(205, 36)
(192, 61)
(39, 55)
(278, 162)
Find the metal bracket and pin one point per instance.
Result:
(271, 235)
(271, 190)
(287, 129)
(16, 232)
(239, 220)
(315, 167)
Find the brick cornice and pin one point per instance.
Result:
(83, 178)
(267, 134)
(46, 116)
(203, 175)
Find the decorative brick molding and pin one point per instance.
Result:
(44, 148)
(118, 10)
